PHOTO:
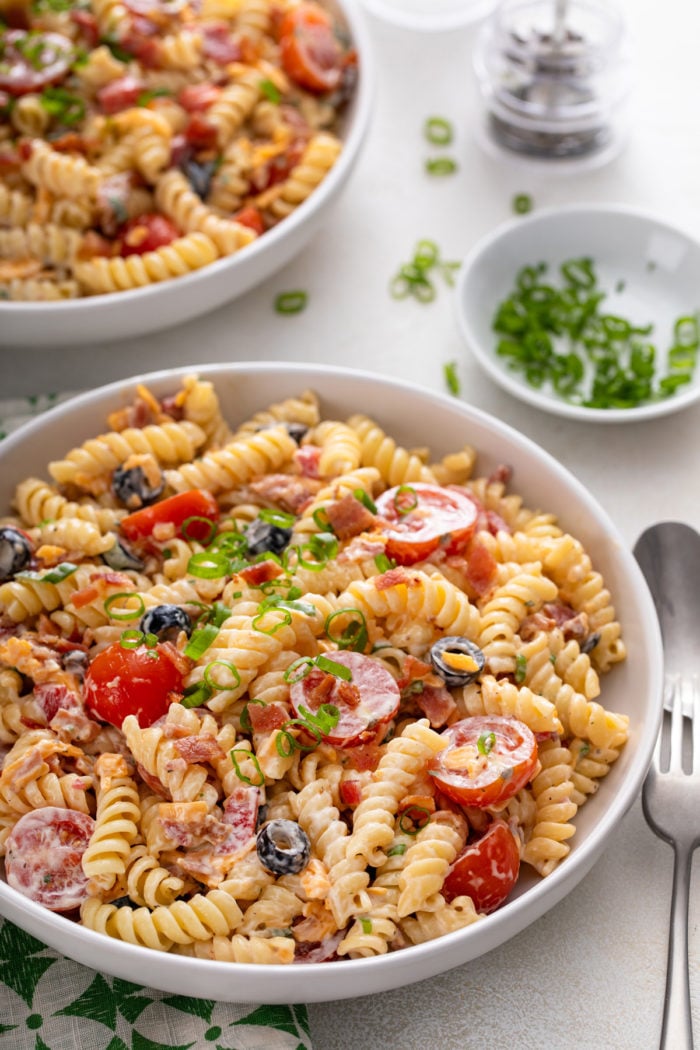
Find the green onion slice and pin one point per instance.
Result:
(253, 758)
(324, 663)
(196, 695)
(451, 377)
(246, 724)
(210, 681)
(383, 562)
(438, 131)
(209, 565)
(124, 614)
(365, 499)
(414, 819)
(440, 166)
(291, 302)
(522, 203)
(196, 519)
(405, 499)
(353, 635)
(486, 743)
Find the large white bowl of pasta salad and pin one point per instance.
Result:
(312, 683)
(160, 158)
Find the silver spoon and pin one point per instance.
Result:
(669, 556)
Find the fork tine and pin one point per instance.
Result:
(675, 759)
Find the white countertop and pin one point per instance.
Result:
(590, 974)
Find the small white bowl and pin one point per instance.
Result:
(122, 315)
(649, 269)
(414, 418)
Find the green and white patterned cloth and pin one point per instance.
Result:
(49, 1002)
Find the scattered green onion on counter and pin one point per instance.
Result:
(291, 302)
(522, 203)
(438, 131)
(451, 377)
(559, 335)
(414, 277)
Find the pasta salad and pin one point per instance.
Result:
(141, 140)
(284, 691)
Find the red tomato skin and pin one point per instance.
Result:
(141, 682)
(511, 762)
(197, 98)
(119, 94)
(251, 217)
(146, 233)
(200, 133)
(44, 853)
(378, 703)
(195, 503)
(486, 870)
(443, 519)
(309, 51)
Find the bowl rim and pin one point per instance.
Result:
(321, 982)
(361, 109)
(497, 239)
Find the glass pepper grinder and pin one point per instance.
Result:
(554, 76)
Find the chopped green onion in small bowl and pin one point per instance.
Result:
(587, 311)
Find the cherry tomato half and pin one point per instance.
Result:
(31, 61)
(146, 233)
(196, 503)
(487, 760)
(251, 217)
(309, 51)
(420, 518)
(368, 701)
(486, 870)
(44, 853)
(121, 682)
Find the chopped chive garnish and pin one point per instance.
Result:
(520, 668)
(253, 758)
(124, 614)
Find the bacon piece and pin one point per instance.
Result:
(360, 548)
(364, 757)
(481, 568)
(349, 517)
(307, 458)
(266, 719)
(574, 626)
(391, 578)
(290, 492)
(204, 748)
(437, 704)
(153, 782)
(210, 864)
(501, 474)
(111, 766)
(318, 951)
(261, 572)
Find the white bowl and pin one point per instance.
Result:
(162, 305)
(633, 687)
(649, 268)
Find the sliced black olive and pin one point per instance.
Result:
(131, 486)
(449, 670)
(75, 661)
(283, 847)
(121, 557)
(166, 622)
(261, 536)
(589, 643)
(295, 430)
(15, 552)
(199, 176)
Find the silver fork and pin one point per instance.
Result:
(671, 803)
